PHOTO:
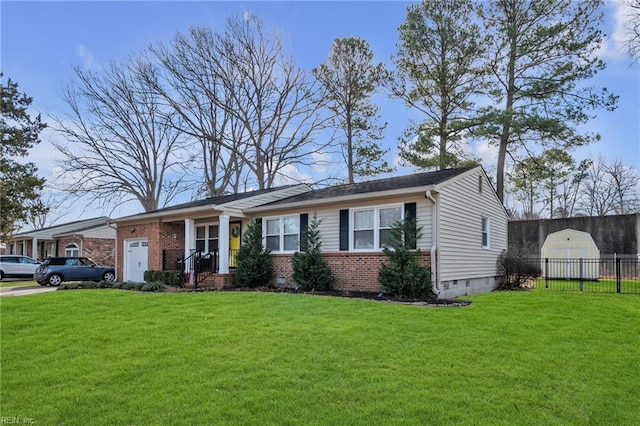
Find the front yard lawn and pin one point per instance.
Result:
(105, 357)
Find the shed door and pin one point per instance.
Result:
(136, 261)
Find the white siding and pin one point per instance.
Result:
(330, 215)
(462, 206)
(101, 232)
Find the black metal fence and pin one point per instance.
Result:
(604, 275)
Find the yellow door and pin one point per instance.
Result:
(234, 242)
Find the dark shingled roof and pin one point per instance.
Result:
(399, 182)
(222, 199)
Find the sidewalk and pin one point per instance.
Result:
(23, 291)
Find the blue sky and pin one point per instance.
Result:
(41, 42)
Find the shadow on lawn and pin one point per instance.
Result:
(381, 297)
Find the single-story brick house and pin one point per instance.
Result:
(463, 227)
(93, 238)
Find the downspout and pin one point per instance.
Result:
(434, 241)
(115, 247)
(81, 239)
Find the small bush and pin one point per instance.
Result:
(254, 266)
(310, 270)
(105, 284)
(172, 278)
(403, 275)
(517, 270)
(153, 286)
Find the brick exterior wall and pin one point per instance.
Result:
(216, 281)
(159, 235)
(353, 271)
(101, 250)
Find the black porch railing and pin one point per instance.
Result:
(201, 264)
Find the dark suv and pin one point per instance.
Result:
(55, 270)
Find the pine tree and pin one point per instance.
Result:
(439, 73)
(310, 269)
(19, 185)
(350, 79)
(542, 56)
(254, 265)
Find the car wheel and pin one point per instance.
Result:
(1, 275)
(109, 276)
(54, 280)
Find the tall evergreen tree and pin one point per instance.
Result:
(542, 54)
(439, 73)
(19, 184)
(350, 79)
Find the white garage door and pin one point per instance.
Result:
(135, 264)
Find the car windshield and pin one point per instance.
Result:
(69, 261)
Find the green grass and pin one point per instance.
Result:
(604, 285)
(106, 357)
(6, 284)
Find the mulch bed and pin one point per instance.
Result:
(381, 297)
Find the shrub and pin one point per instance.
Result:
(310, 270)
(105, 284)
(153, 286)
(516, 270)
(403, 275)
(172, 278)
(254, 267)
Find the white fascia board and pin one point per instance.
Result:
(156, 215)
(346, 198)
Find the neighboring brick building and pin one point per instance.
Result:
(92, 238)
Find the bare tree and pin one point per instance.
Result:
(191, 79)
(122, 144)
(240, 93)
(597, 194)
(625, 183)
(568, 192)
(632, 28)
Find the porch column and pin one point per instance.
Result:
(223, 243)
(34, 249)
(189, 239)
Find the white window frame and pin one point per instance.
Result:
(281, 233)
(485, 220)
(207, 237)
(376, 225)
(69, 251)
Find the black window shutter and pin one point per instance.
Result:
(304, 224)
(344, 230)
(410, 214)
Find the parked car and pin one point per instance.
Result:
(14, 265)
(55, 270)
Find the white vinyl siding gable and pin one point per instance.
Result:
(463, 205)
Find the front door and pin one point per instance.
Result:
(235, 235)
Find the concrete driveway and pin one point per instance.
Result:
(24, 291)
